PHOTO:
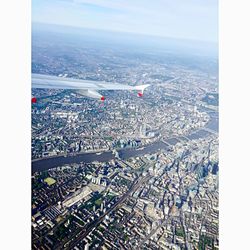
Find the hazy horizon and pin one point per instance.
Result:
(193, 20)
(127, 39)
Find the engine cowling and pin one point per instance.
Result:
(33, 100)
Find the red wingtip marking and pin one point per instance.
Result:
(102, 98)
(140, 94)
(33, 100)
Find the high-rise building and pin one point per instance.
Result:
(86, 247)
(143, 130)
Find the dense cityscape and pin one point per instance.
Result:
(129, 172)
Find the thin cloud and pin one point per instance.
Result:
(193, 19)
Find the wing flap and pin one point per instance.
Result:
(90, 93)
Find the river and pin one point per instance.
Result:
(52, 162)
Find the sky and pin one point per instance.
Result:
(185, 19)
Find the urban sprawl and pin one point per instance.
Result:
(163, 199)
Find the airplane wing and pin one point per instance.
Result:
(83, 87)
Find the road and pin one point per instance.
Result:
(85, 231)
